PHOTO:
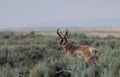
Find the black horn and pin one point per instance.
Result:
(59, 33)
(66, 33)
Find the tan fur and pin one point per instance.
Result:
(83, 50)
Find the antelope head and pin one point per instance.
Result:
(62, 37)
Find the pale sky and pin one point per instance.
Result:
(36, 13)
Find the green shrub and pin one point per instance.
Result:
(44, 57)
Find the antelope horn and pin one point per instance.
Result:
(59, 33)
(66, 32)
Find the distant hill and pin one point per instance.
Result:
(71, 28)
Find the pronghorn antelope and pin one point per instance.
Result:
(88, 53)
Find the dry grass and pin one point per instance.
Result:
(104, 34)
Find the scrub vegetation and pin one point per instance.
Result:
(37, 55)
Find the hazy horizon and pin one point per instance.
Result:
(37, 13)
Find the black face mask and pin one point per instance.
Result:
(61, 41)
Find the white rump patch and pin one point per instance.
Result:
(78, 54)
(93, 51)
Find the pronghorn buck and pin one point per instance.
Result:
(88, 53)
